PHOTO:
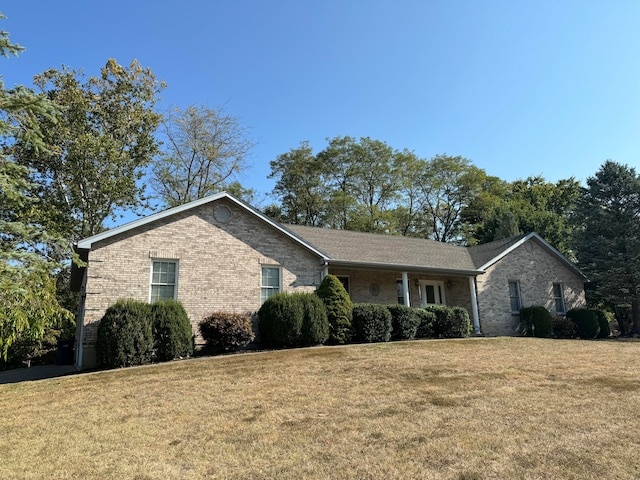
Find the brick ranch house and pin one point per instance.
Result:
(219, 253)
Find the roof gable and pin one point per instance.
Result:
(488, 254)
(87, 243)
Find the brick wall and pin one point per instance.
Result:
(369, 286)
(219, 265)
(536, 269)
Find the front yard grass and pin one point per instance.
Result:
(455, 409)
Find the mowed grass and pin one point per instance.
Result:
(503, 408)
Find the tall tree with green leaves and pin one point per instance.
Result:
(524, 206)
(607, 236)
(448, 184)
(27, 252)
(300, 185)
(97, 149)
(409, 220)
(205, 149)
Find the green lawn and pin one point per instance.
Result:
(456, 409)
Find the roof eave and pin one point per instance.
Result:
(403, 267)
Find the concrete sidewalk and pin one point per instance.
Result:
(39, 372)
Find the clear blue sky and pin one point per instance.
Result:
(519, 87)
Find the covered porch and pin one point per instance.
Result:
(413, 288)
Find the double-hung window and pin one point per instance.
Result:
(558, 298)
(270, 283)
(514, 297)
(164, 280)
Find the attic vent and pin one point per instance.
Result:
(222, 214)
(166, 254)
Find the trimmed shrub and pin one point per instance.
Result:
(172, 332)
(339, 309)
(315, 324)
(450, 322)
(371, 323)
(125, 335)
(586, 322)
(404, 322)
(280, 319)
(537, 321)
(461, 326)
(427, 319)
(563, 327)
(603, 322)
(226, 332)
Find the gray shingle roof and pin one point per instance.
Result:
(347, 247)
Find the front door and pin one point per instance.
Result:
(431, 293)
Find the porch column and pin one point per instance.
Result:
(474, 306)
(405, 289)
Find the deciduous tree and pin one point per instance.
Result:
(97, 148)
(205, 150)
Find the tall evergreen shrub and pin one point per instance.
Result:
(315, 323)
(172, 332)
(280, 320)
(125, 335)
(339, 309)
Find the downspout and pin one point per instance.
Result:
(405, 289)
(474, 306)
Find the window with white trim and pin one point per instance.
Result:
(400, 292)
(514, 297)
(558, 298)
(164, 279)
(270, 283)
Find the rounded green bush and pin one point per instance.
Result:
(339, 309)
(315, 323)
(461, 324)
(125, 335)
(280, 320)
(427, 319)
(450, 322)
(172, 332)
(537, 320)
(371, 323)
(586, 322)
(404, 322)
(226, 331)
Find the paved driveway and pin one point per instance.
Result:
(38, 372)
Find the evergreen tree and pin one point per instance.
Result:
(607, 236)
